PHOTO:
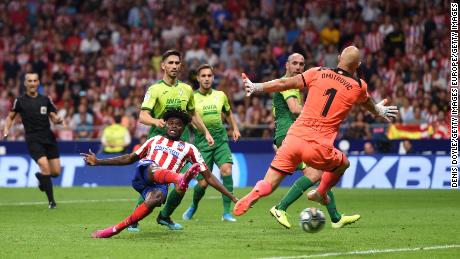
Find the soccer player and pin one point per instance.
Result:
(286, 107)
(36, 111)
(331, 95)
(161, 158)
(167, 94)
(211, 104)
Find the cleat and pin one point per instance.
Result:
(188, 214)
(280, 216)
(134, 228)
(104, 233)
(166, 221)
(228, 217)
(346, 220)
(39, 178)
(191, 173)
(243, 205)
(52, 205)
(314, 195)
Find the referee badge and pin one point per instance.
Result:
(43, 110)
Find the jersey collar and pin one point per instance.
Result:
(345, 73)
(164, 82)
(209, 93)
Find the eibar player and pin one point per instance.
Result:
(331, 95)
(286, 107)
(161, 158)
(36, 111)
(167, 94)
(211, 104)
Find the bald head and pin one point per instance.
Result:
(295, 64)
(349, 59)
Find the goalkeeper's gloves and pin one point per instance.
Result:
(251, 87)
(386, 112)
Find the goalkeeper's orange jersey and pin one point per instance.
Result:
(331, 95)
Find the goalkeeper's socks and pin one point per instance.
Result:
(328, 180)
(163, 176)
(228, 184)
(198, 193)
(139, 213)
(294, 193)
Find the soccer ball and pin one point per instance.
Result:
(312, 220)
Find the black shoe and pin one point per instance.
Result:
(40, 184)
(166, 221)
(52, 205)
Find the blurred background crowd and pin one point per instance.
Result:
(96, 58)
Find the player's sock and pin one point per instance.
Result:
(198, 193)
(331, 208)
(48, 187)
(328, 180)
(139, 213)
(228, 183)
(297, 189)
(164, 176)
(174, 199)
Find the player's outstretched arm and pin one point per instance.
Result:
(277, 85)
(91, 159)
(212, 180)
(8, 124)
(379, 109)
(199, 124)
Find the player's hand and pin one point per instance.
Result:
(234, 199)
(209, 139)
(90, 159)
(249, 86)
(386, 112)
(236, 135)
(160, 123)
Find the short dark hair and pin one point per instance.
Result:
(204, 66)
(117, 118)
(177, 113)
(170, 52)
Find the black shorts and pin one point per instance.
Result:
(38, 150)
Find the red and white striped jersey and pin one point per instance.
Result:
(170, 154)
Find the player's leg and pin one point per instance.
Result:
(223, 159)
(286, 160)
(200, 188)
(154, 197)
(44, 178)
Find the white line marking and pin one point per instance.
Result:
(30, 203)
(373, 251)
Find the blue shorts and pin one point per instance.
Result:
(141, 182)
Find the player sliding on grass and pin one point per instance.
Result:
(161, 157)
(286, 107)
(331, 95)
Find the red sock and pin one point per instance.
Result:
(164, 176)
(262, 188)
(328, 180)
(139, 213)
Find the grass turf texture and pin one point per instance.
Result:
(391, 219)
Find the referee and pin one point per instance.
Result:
(35, 109)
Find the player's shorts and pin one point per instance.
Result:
(295, 150)
(278, 141)
(37, 150)
(219, 156)
(142, 183)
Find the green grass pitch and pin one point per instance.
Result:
(391, 220)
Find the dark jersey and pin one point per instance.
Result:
(34, 113)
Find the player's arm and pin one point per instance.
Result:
(294, 105)
(150, 99)
(232, 122)
(379, 109)
(127, 159)
(199, 124)
(212, 180)
(56, 119)
(277, 85)
(9, 123)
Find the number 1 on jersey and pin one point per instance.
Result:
(331, 95)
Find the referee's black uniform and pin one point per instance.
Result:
(40, 139)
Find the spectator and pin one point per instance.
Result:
(330, 35)
(115, 138)
(277, 32)
(368, 149)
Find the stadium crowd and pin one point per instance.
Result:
(96, 58)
